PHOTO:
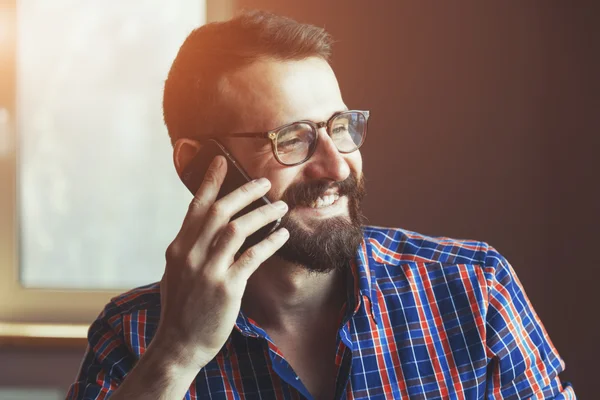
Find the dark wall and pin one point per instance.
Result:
(39, 367)
(482, 127)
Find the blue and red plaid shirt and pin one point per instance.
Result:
(426, 318)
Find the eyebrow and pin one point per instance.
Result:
(313, 120)
(263, 134)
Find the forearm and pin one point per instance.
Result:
(159, 374)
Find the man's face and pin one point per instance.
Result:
(268, 94)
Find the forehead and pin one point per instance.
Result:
(269, 93)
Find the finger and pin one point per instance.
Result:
(253, 257)
(232, 236)
(204, 197)
(221, 211)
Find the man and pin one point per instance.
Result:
(323, 307)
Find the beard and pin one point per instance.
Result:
(330, 244)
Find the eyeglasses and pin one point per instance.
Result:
(295, 143)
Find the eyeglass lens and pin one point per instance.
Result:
(296, 142)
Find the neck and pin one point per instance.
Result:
(283, 296)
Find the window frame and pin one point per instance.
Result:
(34, 316)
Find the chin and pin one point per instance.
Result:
(321, 246)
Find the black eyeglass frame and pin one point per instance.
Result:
(272, 134)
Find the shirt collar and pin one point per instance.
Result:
(247, 327)
(363, 281)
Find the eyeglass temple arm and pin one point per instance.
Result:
(264, 135)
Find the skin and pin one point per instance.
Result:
(274, 93)
(205, 284)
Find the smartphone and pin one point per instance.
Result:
(236, 176)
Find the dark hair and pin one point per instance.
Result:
(192, 104)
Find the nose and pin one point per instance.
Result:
(327, 163)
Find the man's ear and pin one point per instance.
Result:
(183, 153)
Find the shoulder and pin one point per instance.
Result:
(431, 272)
(395, 245)
(143, 298)
(131, 317)
(389, 248)
(116, 340)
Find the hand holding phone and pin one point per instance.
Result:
(236, 177)
(203, 284)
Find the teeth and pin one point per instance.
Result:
(325, 201)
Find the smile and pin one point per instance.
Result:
(324, 201)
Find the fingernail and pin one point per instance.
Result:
(216, 163)
(282, 232)
(262, 182)
(280, 205)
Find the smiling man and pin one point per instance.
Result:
(324, 307)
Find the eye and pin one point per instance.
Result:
(295, 137)
(339, 129)
(288, 143)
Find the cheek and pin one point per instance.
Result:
(279, 183)
(281, 177)
(354, 161)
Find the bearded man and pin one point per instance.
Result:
(324, 307)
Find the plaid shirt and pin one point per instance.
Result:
(426, 318)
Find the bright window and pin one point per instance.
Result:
(98, 199)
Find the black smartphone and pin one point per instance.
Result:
(236, 176)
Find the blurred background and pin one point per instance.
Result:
(484, 125)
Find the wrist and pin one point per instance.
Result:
(162, 372)
(175, 359)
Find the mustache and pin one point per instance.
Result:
(303, 193)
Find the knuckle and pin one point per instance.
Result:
(172, 251)
(268, 210)
(189, 262)
(210, 178)
(246, 188)
(269, 241)
(221, 287)
(272, 243)
(251, 254)
(216, 210)
(244, 259)
(195, 203)
(232, 229)
(207, 277)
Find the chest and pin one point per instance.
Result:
(312, 359)
(371, 366)
(411, 347)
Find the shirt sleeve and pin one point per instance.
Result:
(106, 361)
(523, 362)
